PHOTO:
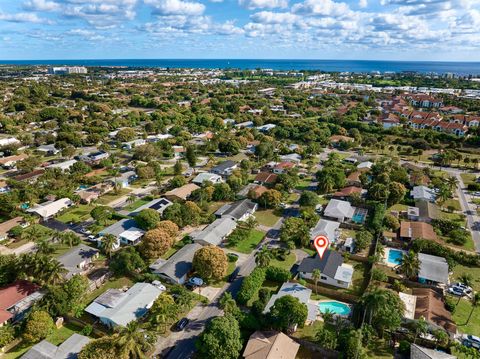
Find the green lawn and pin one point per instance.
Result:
(109, 284)
(272, 286)
(287, 263)
(458, 270)
(303, 184)
(17, 243)
(248, 245)
(133, 206)
(308, 332)
(57, 337)
(76, 214)
(468, 178)
(112, 196)
(267, 217)
(398, 207)
(454, 203)
(460, 316)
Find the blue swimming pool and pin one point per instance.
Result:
(395, 256)
(335, 307)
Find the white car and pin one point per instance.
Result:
(471, 341)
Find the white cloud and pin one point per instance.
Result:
(269, 17)
(41, 5)
(321, 7)
(176, 7)
(263, 4)
(363, 3)
(23, 17)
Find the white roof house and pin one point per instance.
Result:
(325, 228)
(116, 308)
(69, 349)
(125, 230)
(49, 209)
(365, 165)
(423, 193)
(216, 231)
(64, 166)
(206, 176)
(432, 269)
(8, 141)
(340, 210)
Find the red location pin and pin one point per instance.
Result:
(321, 244)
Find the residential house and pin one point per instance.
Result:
(266, 128)
(335, 139)
(364, 166)
(93, 193)
(64, 165)
(95, 158)
(292, 157)
(418, 352)
(4, 187)
(116, 308)
(49, 150)
(132, 144)
(413, 230)
(49, 209)
(427, 211)
(125, 179)
(6, 227)
(333, 270)
(159, 205)
(125, 230)
(215, 232)
(433, 269)
(30, 177)
(270, 345)
(16, 299)
(282, 167)
(69, 349)
(207, 177)
(239, 210)
(298, 291)
(341, 211)
(266, 178)
(11, 161)
(178, 152)
(181, 193)
(347, 192)
(224, 168)
(253, 191)
(330, 229)
(429, 304)
(353, 179)
(423, 193)
(8, 141)
(176, 268)
(413, 213)
(78, 260)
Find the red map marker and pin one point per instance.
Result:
(321, 244)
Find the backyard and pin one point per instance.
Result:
(267, 217)
(112, 196)
(76, 214)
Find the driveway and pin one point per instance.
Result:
(470, 211)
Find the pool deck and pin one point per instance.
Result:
(385, 256)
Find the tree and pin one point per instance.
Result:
(391, 222)
(286, 312)
(163, 311)
(263, 257)
(131, 198)
(308, 199)
(210, 263)
(316, 277)
(109, 242)
(126, 134)
(101, 214)
(326, 338)
(67, 298)
(221, 339)
(102, 348)
(147, 218)
(362, 240)
(177, 168)
(295, 229)
(132, 342)
(38, 326)
(410, 265)
(191, 156)
(421, 328)
(270, 198)
(170, 227)
(475, 301)
(452, 183)
(378, 192)
(7, 334)
(155, 243)
(126, 262)
(396, 193)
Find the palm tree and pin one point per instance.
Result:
(131, 198)
(452, 183)
(69, 238)
(316, 277)
(466, 161)
(475, 303)
(109, 242)
(263, 257)
(133, 342)
(443, 195)
(372, 301)
(44, 246)
(466, 278)
(475, 163)
(410, 264)
(441, 337)
(31, 233)
(421, 327)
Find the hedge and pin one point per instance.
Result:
(251, 285)
(277, 274)
(452, 257)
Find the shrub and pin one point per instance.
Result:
(450, 304)
(232, 258)
(452, 257)
(404, 347)
(87, 330)
(379, 275)
(276, 274)
(251, 285)
(398, 286)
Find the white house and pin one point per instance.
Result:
(48, 210)
(64, 166)
(206, 176)
(339, 210)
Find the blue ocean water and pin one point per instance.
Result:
(358, 66)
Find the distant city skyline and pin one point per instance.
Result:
(413, 30)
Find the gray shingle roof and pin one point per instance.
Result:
(237, 209)
(433, 268)
(179, 264)
(119, 227)
(328, 265)
(222, 166)
(69, 349)
(216, 231)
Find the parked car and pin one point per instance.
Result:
(460, 289)
(181, 324)
(455, 291)
(234, 275)
(196, 281)
(471, 341)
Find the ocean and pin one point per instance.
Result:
(357, 66)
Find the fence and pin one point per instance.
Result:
(322, 352)
(332, 293)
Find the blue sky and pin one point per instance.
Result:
(447, 30)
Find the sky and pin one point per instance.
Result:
(432, 30)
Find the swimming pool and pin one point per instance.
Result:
(359, 215)
(394, 256)
(335, 307)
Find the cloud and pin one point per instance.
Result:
(363, 3)
(321, 7)
(41, 5)
(176, 7)
(263, 4)
(23, 17)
